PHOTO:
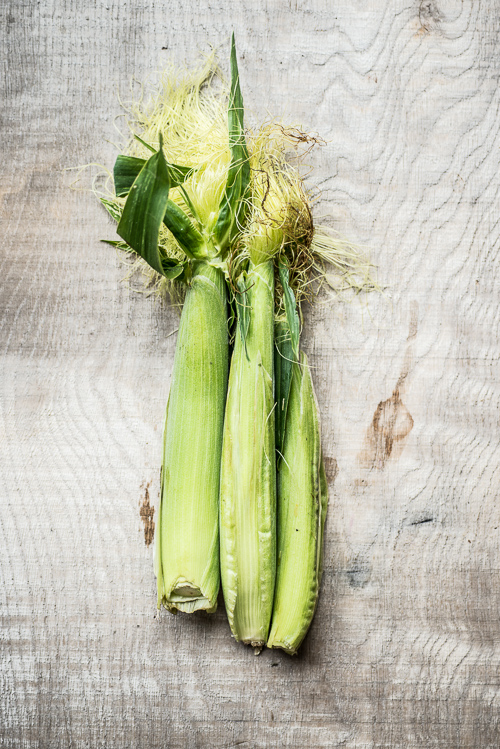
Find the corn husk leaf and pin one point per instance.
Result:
(187, 235)
(283, 363)
(233, 204)
(143, 213)
(112, 209)
(290, 309)
(116, 243)
(125, 172)
(286, 341)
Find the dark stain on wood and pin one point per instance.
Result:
(430, 17)
(421, 521)
(146, 513)
(391, 424)
(358, 574)
(331, 469)
(413, 327)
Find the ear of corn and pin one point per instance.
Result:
(187, 552)
(247, 503)
(302, 503)
(201, 205)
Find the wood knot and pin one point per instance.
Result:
(430, 17)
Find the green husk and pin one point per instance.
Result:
(284, 358)
(187, 550)
(233, 206)
(302, 504)
(247, 500)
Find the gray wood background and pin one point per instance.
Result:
(405, 647)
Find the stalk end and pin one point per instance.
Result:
(188, 598)
(286, 646)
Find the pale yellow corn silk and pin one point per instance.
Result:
(279, 215)
(281, 222)
(189, 108)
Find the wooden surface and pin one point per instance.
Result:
(405, 647)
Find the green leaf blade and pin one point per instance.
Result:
(113, 210)
(286, 339)
(125, 172)
(172, 269)
(290, 308)
(119, 245)
(145, 208)
(233, 205)
(283, 363)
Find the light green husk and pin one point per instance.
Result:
(187, 552)
(302, 504)
(248, 492)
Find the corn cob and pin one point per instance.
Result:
(247, 502)
(302, 504)
(278, 220)
(183, 222)
(187, 553)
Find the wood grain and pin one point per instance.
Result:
(405, 647)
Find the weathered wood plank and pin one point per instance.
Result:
(405, 647)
